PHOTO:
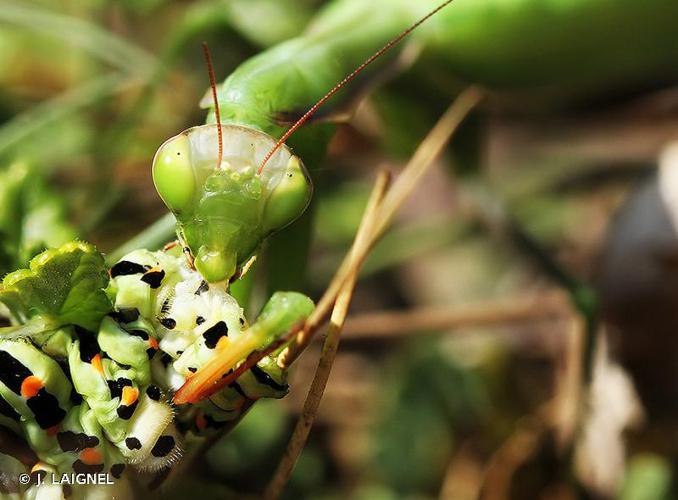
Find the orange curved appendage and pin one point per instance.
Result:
(209, 379)
(39, 466)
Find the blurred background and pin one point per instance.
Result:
(512, 336)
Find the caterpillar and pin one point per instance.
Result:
(97, 401)
(195, 322)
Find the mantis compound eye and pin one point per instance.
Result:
(173, 173)
(289, 198)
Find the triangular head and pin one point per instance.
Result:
(225, 209)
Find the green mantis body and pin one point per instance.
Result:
(504, 44)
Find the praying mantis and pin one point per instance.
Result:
(104, 369)
(147, 347)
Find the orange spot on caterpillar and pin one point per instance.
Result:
(52, 431)
(31, 386)
(152, 342)
(129, 395)
(96, 363)
(91, 456)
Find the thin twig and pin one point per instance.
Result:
(584, 300)
(388, 324)
(515, 451)
(331, 344)
(569, 400)
(463, 476)
(421, 161)
(484, 207)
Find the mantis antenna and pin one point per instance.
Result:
(213, 86)
(342, 83)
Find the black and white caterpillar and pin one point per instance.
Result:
(99, 401)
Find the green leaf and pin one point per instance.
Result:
(63, 286)
(32, 217)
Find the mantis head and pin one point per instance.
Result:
(224, 207)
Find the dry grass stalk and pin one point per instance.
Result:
(569, 387)
(463, 476)
(505, 311)
(340, 311)
(515, 451)
(421, 161)
(338, 294)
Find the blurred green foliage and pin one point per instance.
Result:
(648, 477)
(32, 217)
(415, 436)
